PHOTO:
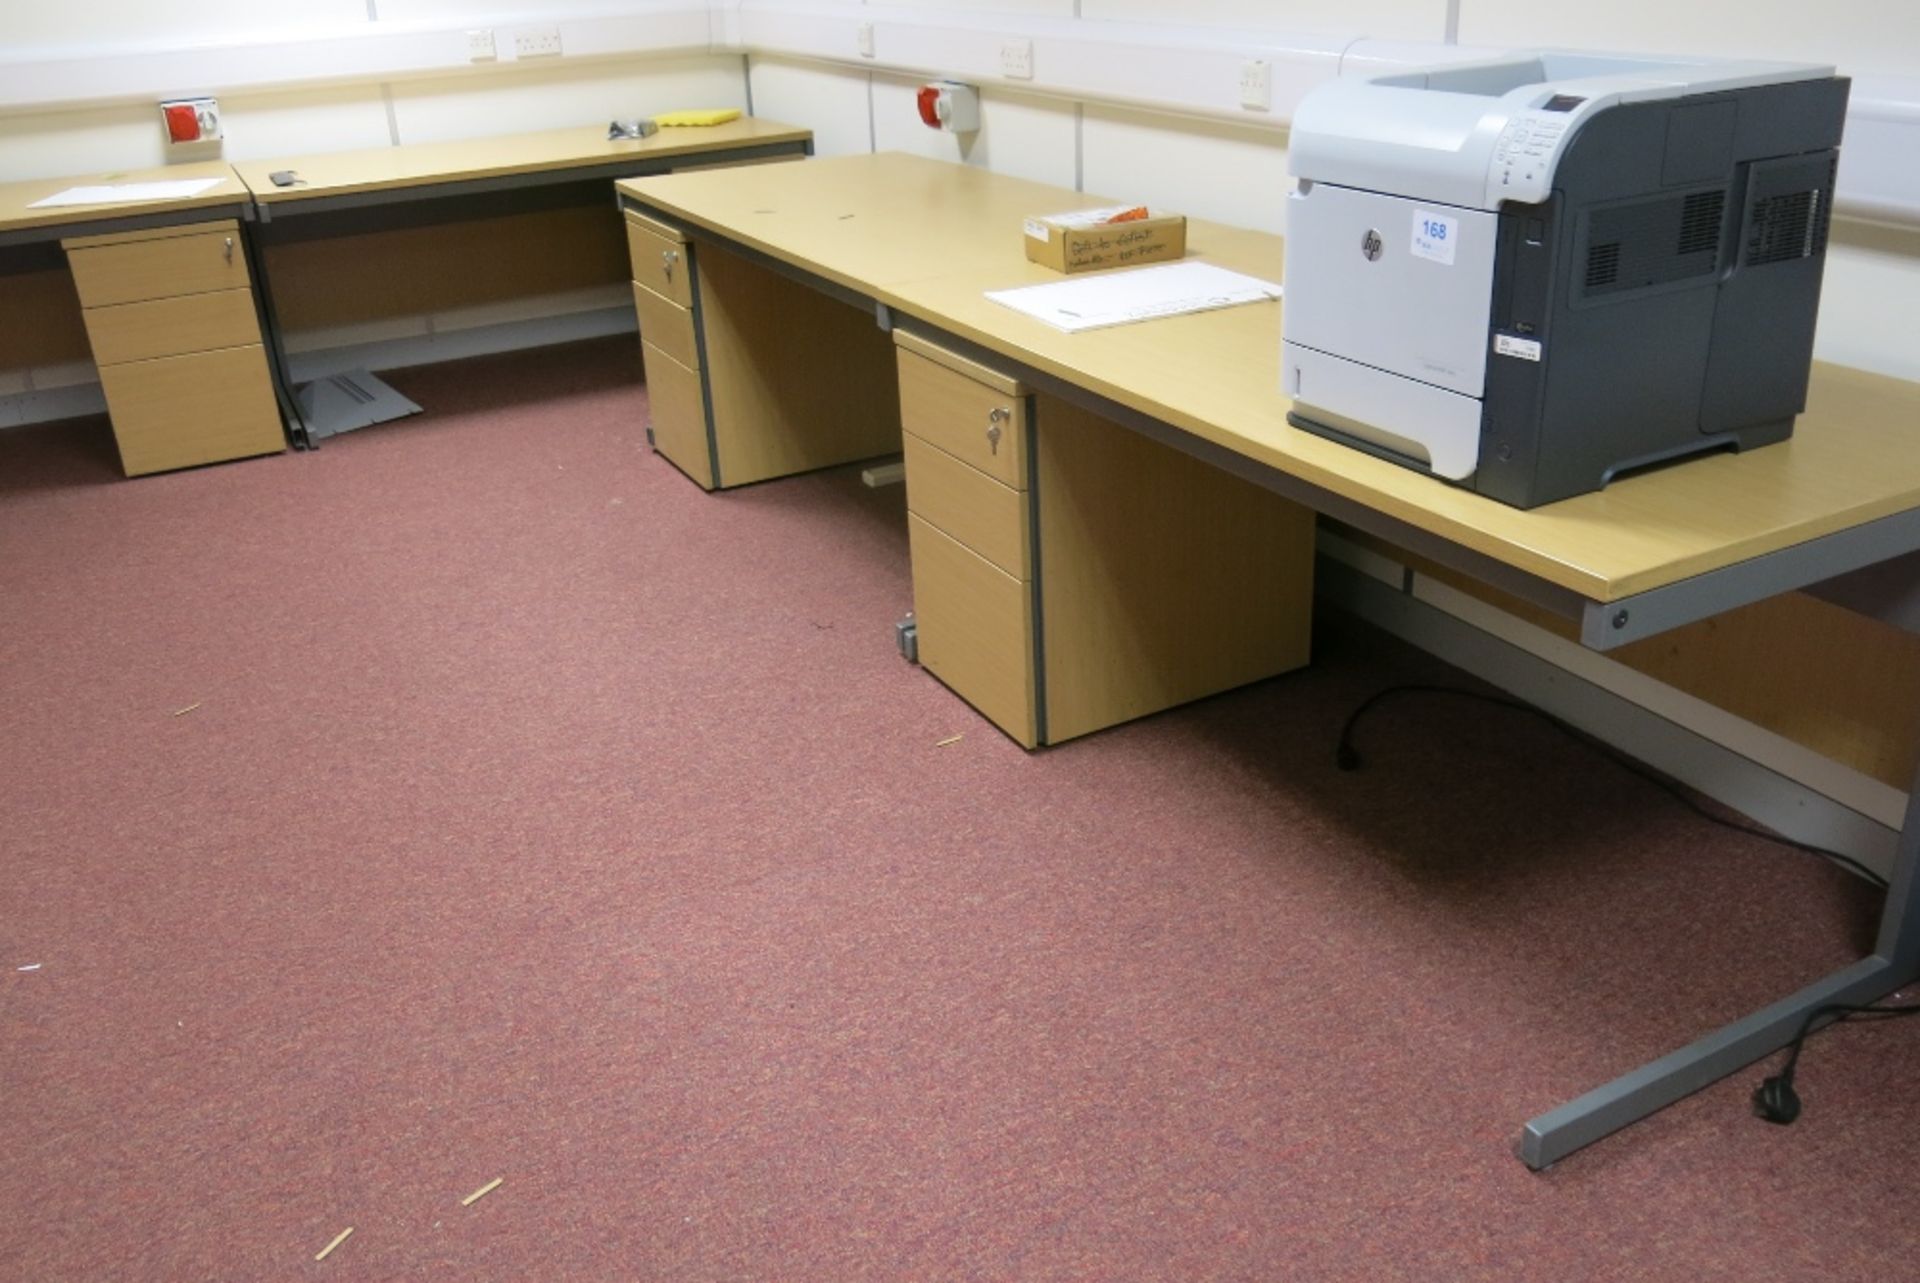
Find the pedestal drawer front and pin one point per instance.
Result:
(974, 423)
(975, 629)
(677, 415)
(982, 514)
(659, 258)
(172, 326)
(180, 411)
(666, 325)
(159, 267)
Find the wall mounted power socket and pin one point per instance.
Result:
(537, 42)
(1016, 59)
(1256, 85)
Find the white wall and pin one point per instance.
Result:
(1219, 170)
(27, 27)
(371, 111)
(455, 100)
(1238, 174)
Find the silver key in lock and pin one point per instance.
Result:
(995, 417)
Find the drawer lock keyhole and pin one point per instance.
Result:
(229, 249)
(668, 257)
(995, 417)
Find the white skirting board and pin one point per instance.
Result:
(73, 401)
(1781, 784)
(456, 345)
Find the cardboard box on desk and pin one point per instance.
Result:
(1084, 239)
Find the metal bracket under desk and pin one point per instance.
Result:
(1895, 961)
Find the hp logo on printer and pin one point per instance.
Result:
(1371, 244)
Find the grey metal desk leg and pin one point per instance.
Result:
(277, 365)
(1894, 963)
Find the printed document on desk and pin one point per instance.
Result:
(1135, 294)
(119, 193)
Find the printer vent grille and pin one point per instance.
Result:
(1787, 227)
(1643, 243)
(1603, 265)
(1700, 222)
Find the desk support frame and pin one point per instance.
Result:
(285, 220)
(1895, 961)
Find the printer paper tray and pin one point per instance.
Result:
(1428, 426)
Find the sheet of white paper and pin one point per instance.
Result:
(117, 193)
(1136, 294)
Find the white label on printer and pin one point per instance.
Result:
(1435, 236)
(1525, 349)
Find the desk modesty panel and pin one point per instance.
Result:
(928, 238)
(389, 232)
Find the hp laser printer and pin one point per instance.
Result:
(1531, 274)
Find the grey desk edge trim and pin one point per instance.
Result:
(1604, 625)
(1631, 1097)
(96, 223)
(637, 166)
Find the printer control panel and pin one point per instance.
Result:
(1524, 154)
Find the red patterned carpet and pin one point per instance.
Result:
(539, 817)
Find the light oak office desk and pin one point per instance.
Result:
(1838, 506)
(1065, 577)
(546, 194)
(166, 300)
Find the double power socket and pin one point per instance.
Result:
(530, 42)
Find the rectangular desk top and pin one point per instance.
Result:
(423, 164)
(16, 197)
(928, 238)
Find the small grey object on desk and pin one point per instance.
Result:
(631, 129)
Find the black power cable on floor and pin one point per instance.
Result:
(1347, 758)
(1774, 1099)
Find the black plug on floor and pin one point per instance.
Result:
(1776, 1101)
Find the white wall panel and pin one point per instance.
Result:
(79, 142)
(1224, 172)
(480, 13)
(28, 27)
(557, 95)
(1054, 8)
(334, 119)
(1866, 304)
(1858, 35)
(831, 101)
(1384, 19)
(1019, 135)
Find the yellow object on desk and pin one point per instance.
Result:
(713, 116)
